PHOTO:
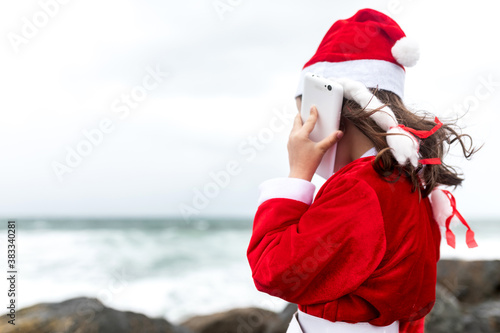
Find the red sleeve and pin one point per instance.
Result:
(313, 254)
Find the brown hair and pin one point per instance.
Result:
(423, 178)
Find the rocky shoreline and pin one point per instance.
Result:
(467, 300)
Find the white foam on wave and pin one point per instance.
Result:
(166, 273)
(172, 273)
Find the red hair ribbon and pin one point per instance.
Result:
(430, 161)
(450, 237)
(424, 134)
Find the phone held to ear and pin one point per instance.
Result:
(327, 96)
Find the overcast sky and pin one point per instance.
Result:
(163, 97)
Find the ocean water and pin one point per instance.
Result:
(164, 267)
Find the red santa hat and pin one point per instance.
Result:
(369, 47)
(370, 50)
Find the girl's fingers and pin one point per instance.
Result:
(330, 140)
(311, 120)
(297, 123)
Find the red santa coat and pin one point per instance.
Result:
(364, 251)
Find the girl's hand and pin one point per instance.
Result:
(304, 154)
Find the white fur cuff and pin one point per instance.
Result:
(288, 188)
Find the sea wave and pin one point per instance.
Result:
(159, 268)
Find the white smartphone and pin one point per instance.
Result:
(327, 96)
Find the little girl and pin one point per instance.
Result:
(362, 256)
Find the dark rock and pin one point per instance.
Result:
(483, 318)
(83, 315)
(287, 313)
(285, 318)
(245, 320)
(470, 281)
(446, 315)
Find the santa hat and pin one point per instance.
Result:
(369, 47)
(370, 50)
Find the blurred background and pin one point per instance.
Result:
(134, 135)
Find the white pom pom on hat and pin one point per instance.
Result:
(406, 52)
